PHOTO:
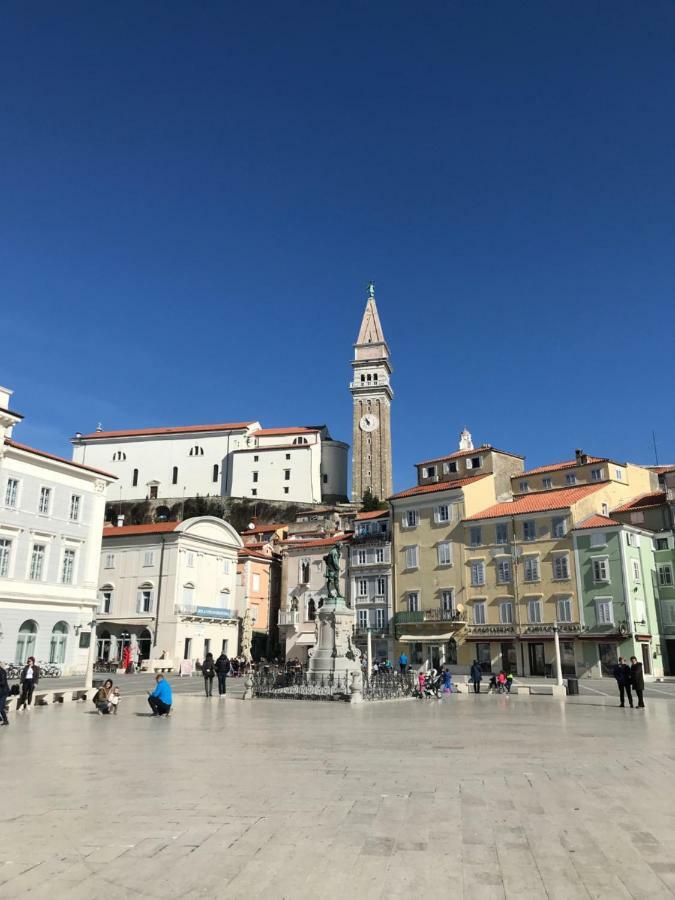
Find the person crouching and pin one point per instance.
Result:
(161, 698)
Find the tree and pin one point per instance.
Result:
(370, 502)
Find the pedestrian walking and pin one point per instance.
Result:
(403, 663)
(622, 674)
(161, 698)
(222, 670)
(209, 672)
(30, 675)
(4, 694)
(637, 677)
(476, 676)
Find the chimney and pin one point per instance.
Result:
(581, 458)
(120, 521)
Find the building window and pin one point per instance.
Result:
(287, 474)
(619, 474)
(254, 492)
(524, 486)
(379, 555)
(106, 600)
(604, 509)
(477, 572)
(601, 570)
(596, 474)
(216, 470)
(479, 613)
(605, 612)
(411, 557)
(45, 501)
(5, 550)
(637, 518)
(255, 477)
(148, 558)
(559, 526)
(561, 568)
(631, 539)
(534, 612)
(11, 492)
(363, 618)
(429, 472)
(362, 585)
(665, 575)
(255, 582)
(324, 479)
(288, 456)
(109, 561)
(473, 462)
(547, 483)
(304, 571)
(413, 601)
(300, 440)
(443, 513)
(75, 506)
(67, 567)
(145, 600)
(571, 478)
(255, 457)
(134, 480)
(379, 619)
(661, 544)
(502, 533)
(410, 518)
(598, 539)
(448, 600)
(25, 644)
(637, 574)
(503, 571)
(286, 490)
(189, 559)
(196, 450)
(174, 475)
(444, 551)
(381, 587)
(531, 568)
(506, 612)
(37, 562)
(564, 610)
(449, 468)
(529, 530)
(226, 567)
(475, 536)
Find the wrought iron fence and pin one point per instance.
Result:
(303, 685)
(388, 685)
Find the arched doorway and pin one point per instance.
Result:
(25, 642)
(311, 610)
(145, 643)
(57, 645)
(103, 646)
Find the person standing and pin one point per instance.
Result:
(161, 698)
(222, 668)
(622, 674)
(209, 672)
(637, 677)
(30, 675)
(403, 663)
(476, 676)
(4, 693)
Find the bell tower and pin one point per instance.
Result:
(372, 396)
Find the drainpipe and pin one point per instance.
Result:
(626, 593)
(159, 591)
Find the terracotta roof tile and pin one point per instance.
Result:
(272, 526)
(644, 501)
(555, 467)
(69, 462)
(270, 432)
(299, 544)
(175, 429)
(131, 530)
(596, 522)
(375, 514)
(539, 502)
(438, 486)
(459, 453)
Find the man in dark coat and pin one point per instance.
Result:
(476, 676)
(622, 673)
(222, 670)
(637, 677)
(4, 693)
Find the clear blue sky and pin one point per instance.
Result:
(195, 194)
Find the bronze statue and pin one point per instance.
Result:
(332, 560)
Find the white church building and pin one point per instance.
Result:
(301, 464)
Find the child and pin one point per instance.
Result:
(115, 700)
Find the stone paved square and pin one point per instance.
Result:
(468, 797)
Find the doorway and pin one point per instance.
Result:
(145, 643)
(567, 660)
(509, 657)
(646, 659)
(435, 657)
(608, 659)
(187, 650)
(537, 659)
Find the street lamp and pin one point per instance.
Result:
(558, 663)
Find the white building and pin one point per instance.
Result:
(169, 589)
(235, 459)
(370, 573)
(51, 518)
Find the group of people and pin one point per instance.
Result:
(28, 681)
(630, 678)
(220, 668)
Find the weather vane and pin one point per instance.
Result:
(371, 288)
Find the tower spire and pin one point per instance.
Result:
(371, 327)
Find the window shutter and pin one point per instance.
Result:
(139, 601)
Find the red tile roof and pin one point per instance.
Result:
(661, 470)
(280, 432)
(322, 542)
(596, 522)
(459, 453)
(69, 462)
(176, 429)
(555, 467)
(255, 554)
(272, 526)
(644, 501)
(131, 530)
(539, 502)
(375, 514)
(438, 486)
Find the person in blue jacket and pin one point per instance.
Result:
(161, 698)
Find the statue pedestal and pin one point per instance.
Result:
(334, 653)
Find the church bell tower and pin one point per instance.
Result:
(372, 396)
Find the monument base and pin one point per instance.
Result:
(334, 653)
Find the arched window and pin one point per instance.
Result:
(145, 643)
(311, 610)
(119, 456)
(57, 646)
(107, 592)
(300, 440)
(174, 475)
(215, 472)
(25, 643)
(196, 450)
(134, 480)
(304, 571)
(189, 595)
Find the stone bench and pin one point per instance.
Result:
(42, 698)
(548, 690)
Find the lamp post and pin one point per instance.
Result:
(370, 652)
(558, 664)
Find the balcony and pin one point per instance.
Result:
(378, 598)
(205, 612)
(289, 619)
(447, 616)
(376, 537)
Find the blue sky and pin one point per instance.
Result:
(194, 196)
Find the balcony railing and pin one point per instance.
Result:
(372, 537)
(290, 618)
(430, 615)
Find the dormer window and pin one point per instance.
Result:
(119, 456)
(300, 440)
(473, 462)
(196, 450)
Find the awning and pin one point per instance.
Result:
(427, 638)
(126, 623)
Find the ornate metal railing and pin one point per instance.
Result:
(301, 685)
(388, 686)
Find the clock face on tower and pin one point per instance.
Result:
(369, 422)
